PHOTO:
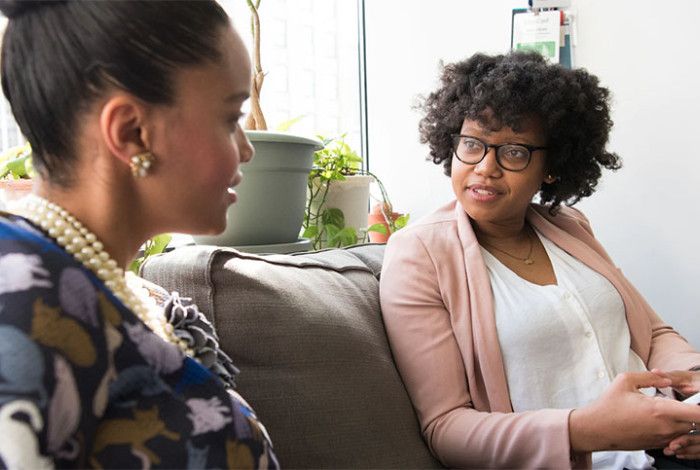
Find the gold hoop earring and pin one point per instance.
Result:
(141, 164)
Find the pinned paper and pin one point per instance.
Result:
(539, 32)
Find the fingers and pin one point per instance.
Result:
(639, 380)
(681, 380)
(687, 390)
(679, 411)
(660, 372)
(684, 447)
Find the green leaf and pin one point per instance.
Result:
(310, 232)
(401, 221)
(157, 244)
(152, 246)
(4, 170)
(331, 233)
(347, 236)
(136, 265)
(324, 140)
(333, 216)
(379, 228)
(353, 157)
(18, 167)
(284, 126)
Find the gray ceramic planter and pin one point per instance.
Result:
(272, 196)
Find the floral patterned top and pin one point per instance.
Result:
(84, 383)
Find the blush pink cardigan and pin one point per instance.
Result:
(438, 311)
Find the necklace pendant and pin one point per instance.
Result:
(529, 261)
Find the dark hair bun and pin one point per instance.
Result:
(14, 8)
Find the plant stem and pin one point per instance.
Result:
(256, 119)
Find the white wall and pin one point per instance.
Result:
(646, 214)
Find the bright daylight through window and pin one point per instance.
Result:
(310, 58)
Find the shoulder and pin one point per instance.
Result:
(567, 218)
(425, 244)
(18, 235)
(432, 229)
(28, 259)
(37, 277)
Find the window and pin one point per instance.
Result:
(309, 52)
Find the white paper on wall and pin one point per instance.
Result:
(539, 32)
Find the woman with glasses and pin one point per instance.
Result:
(519, 341)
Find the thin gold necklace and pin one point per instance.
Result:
(527, 260)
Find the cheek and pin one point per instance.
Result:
(458, 176)
(213, 157)
(527, 187)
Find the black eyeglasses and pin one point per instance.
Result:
(511, 157)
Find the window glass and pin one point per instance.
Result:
(309, 53)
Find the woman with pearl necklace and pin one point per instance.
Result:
(127, 143)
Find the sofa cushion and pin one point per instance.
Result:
(306, 332)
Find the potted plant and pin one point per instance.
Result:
(15, 173)
(272, 195)
(338, 197)
(382, 219)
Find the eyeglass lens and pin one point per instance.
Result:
(509, 156)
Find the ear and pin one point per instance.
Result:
(122, 120)
(549, 178)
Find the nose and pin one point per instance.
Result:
(488, 166)
(245, 148)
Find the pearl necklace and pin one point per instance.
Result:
(77, 240)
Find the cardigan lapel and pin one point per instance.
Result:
(486, 345)
(592, 255)
(489, 359)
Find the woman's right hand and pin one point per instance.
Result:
(623, 418)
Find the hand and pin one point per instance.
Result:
(684, 446)
(685, 382)
(623, 418)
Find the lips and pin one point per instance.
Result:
(236, 180)
(484, 189)
(233, 197)
(483, 193)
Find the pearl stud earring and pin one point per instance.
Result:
(141, 163)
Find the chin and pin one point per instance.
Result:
(478, 214)
(213, 227)
(204, 226)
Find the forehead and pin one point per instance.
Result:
(489, 125)
(227, 77)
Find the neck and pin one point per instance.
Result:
(108, 212)
(500, 233)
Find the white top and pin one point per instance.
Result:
(562, 344)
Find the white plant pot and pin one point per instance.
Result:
(272, 195)
(351, 196)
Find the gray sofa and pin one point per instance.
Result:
(307, 334)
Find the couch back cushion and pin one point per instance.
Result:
(307, 334)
